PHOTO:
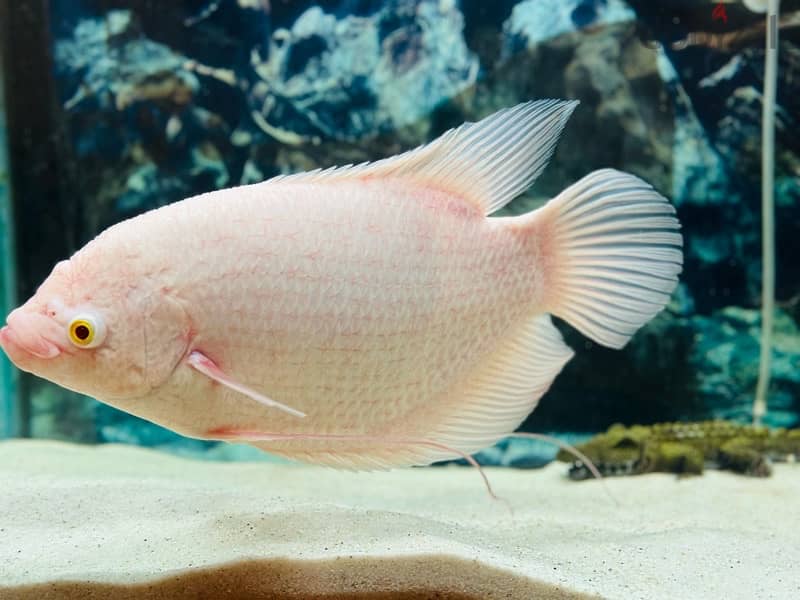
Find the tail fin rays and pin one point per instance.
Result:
(615, 255)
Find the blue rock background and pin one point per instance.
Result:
(165, 102)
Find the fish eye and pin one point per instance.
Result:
(86, 331)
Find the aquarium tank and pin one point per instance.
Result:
(114, 108)
(586, 231)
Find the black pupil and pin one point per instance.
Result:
(82, 332)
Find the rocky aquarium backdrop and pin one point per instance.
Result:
(157, 101)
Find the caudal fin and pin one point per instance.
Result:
(613, 255)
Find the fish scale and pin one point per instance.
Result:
(317, 331)
(421, 350)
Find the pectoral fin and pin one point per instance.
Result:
(206, 366)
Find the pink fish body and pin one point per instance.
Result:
(366, 316)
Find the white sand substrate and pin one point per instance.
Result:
(125, 522)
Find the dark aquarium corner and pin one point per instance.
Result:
(111, 109)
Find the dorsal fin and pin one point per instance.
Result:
(489, 162)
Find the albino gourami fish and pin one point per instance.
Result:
(364, 316)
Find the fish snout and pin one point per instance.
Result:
(29, 334)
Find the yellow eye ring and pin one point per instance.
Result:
(81, 332)
(86, 331)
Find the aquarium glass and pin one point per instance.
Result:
(9, 402)
(114, 108)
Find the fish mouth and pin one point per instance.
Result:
(24, 336)
(14, 344)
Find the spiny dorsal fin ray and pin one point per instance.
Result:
(489, 162)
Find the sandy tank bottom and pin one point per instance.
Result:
(124, 522)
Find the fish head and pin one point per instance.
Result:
(89, 326)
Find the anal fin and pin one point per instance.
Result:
(490, 404)
(506, 389)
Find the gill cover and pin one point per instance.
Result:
(166, 327)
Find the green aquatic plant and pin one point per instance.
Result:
(685, 449)
(767, 210)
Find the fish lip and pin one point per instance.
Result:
(6, 338)
(37, 333)
(13, 344)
